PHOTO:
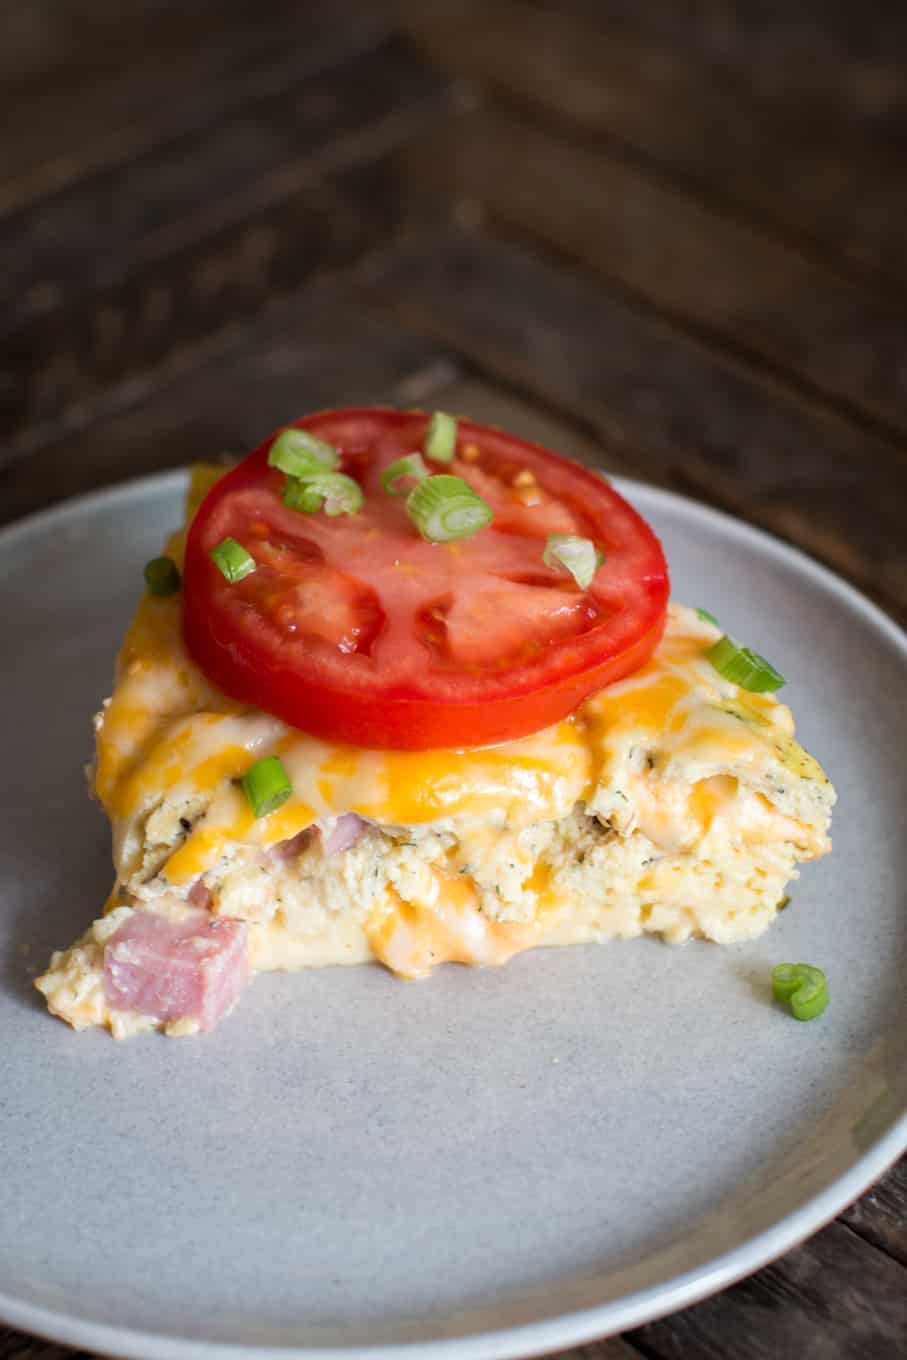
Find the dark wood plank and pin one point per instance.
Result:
(811, 54)
(90, 236)
(881, 1215)
(829, 172)
(107, 279)
(613, 1348)
(86, 84)
(470, 394)
(18, 1346)
(668, 407)
(313, 349)
(834, 1298)
(760, 298)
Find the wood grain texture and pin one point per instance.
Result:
(17, 1346)
(834, 1298)
(810, 55)
(829, 172)
(86, 84)
(313, 349)
(881, 1215)
(106, 280)
(670, 409)
(613, 1348)
(760, 298)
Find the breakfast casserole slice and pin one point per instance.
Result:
(670, 800)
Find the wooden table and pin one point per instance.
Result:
(667, 238)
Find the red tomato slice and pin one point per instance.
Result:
(355, 629)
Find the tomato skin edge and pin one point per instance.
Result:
(418, 724)
(406, 722)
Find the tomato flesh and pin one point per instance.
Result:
(356, 630)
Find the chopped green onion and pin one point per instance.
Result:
(579, 556)
(233, 560)
(747, 669)
(339, 494)
(803, 987)
(410, 466)
(162, 576)
(298, 496)
(441, 437)
(298, 453)
(266, 785)
(707, 617)
(444, 508)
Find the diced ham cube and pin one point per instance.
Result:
(191, 969)
(345, 832)
(284, 852)
(341, 833)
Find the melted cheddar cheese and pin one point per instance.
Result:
(643, 753)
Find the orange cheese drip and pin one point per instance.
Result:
(411, 940)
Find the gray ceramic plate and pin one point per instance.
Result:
(492, 1163)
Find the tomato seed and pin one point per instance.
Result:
(528, 495)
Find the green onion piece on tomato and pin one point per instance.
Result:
(441, 437)
(162, 576)
(803, 987)
(298, 496)
(743, 667)
(706, 617)
(233, 560)
(298, 453)
(577, 555)
(266, 785)
(411, 466)
(446, 508)
(339, 494)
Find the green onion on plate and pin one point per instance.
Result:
(803, 987)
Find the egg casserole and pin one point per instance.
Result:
(673, 803)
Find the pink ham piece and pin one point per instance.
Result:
(192, 969)
(284, 852)
(199, 895)
(345, 832)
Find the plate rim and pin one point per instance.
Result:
(558, 1330)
